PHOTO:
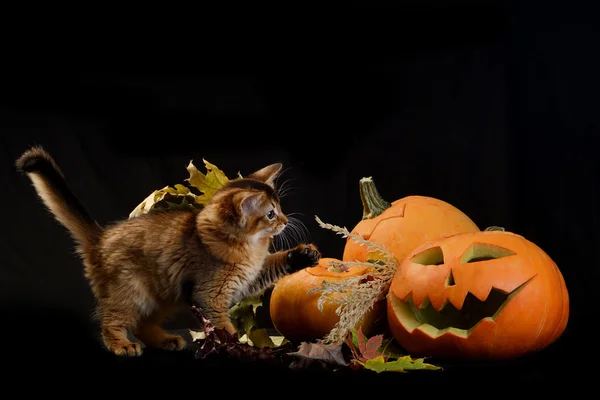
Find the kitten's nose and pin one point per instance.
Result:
(284, 220)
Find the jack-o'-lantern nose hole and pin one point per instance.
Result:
(450, 279)
(431, 256)
(484, 252)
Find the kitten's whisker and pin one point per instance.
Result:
(300, 228)
(280, 174)
(279, 240)
(286, 192)
(297, 233)
(277, 243)
(285, 185)
(287, 181)
(289, 242)
(285, 241)
(277, 184)
(291, 237)
(291, 234)
(283, 190)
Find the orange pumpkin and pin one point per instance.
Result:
(403, 224)
(295, 314)
(483, 295)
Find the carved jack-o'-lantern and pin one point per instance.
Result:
(483, 295)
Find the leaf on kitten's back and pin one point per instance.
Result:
(207, 184)
(180, 196)
(166, 198)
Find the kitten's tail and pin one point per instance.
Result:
(52, 188)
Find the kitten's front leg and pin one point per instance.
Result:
(218, 315)
(215, 301)
(222, 320)
(284, 262)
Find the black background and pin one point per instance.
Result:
(491, 107)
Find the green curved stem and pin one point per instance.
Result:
(373, 203)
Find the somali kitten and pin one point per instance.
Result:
(142, 270)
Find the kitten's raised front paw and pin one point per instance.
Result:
(303, 256)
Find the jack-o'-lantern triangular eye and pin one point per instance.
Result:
(483, 252)
(431, 256)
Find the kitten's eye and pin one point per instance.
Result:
(271, 214)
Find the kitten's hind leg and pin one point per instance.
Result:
(114, 334)
(150, 332)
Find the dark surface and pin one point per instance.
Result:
(65, 344)
(490, 107)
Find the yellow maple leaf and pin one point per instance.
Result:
(207, 184)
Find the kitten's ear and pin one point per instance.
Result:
(267, 174)
(250, 204)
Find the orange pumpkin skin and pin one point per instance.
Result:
(533, 317)
(295, 313)
(408, 223)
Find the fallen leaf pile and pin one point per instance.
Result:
(358, 352)
(251, 318)
(216, 342)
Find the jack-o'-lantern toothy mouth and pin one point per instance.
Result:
(450, 319)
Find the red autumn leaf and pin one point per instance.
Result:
(369, 349)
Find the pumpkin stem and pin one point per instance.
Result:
(373, 203)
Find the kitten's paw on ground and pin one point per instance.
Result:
(303, 256)
(126, 348)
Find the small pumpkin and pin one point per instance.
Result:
(295, 314)
(482, 295)
(403, 224)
